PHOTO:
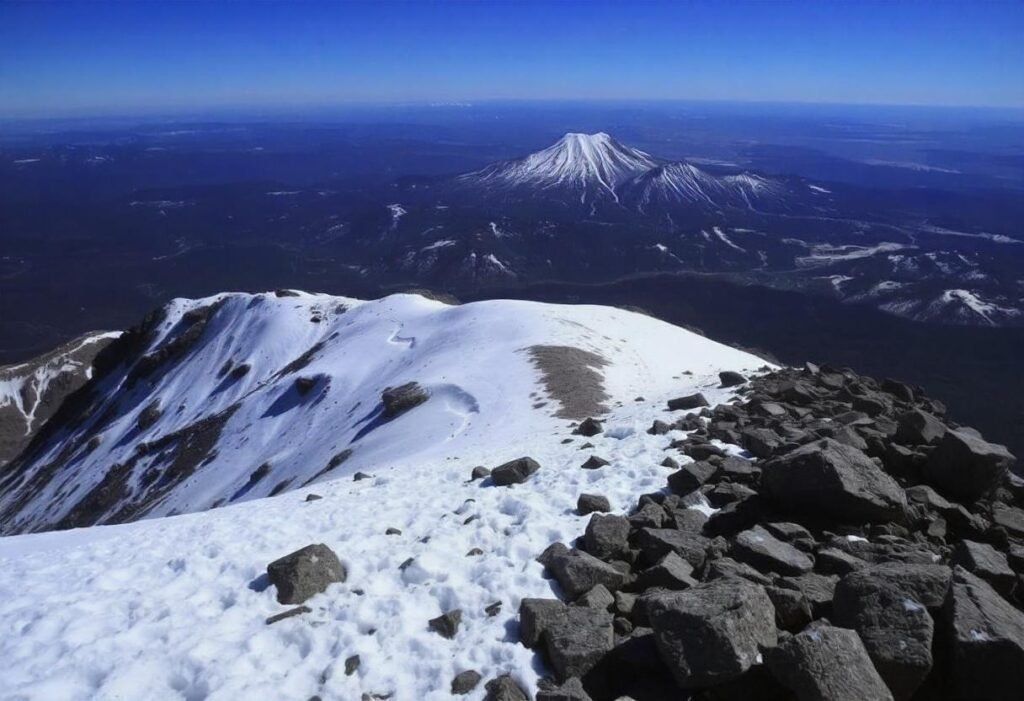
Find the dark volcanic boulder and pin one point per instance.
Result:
(606, 535)
(578, 640)
(398, 400)
(712, 633)
(983, 560)
(919, 428)
(578, 572)
(536, 616)
(827, 664)
(656, 543)
(834, 481)
(514, 472)
(893, 624)
(759, 548)
(465, 682)
(589, 427)
(690, 401)
(571, 690)
(590, 503)
(731, 378)
(965, 467)
(987, 638)
(691, 477)
(503, 688)
(303, 573)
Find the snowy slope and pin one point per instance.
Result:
(593, 165)
(194, 432)
(685, 183)
(31, 391)
(174, 608)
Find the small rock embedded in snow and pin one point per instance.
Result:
(590, 503)
(313, 497)
(360, 476)
(514, 472)
(393, 531)
(297, 611)
(304, 573)
(730, 378)
(589, 427)
(594, 462)
(351, 665)
(447, 624)
(465, 682)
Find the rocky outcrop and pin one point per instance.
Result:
(865, 547)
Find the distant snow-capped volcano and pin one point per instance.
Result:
(592, 164)
(590, 168)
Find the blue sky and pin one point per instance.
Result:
(146, 56)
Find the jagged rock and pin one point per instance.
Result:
(792, 610)
(918, 427)
(589, 427)
(514, 472)
(656, 543)
(398, 400)
(447, 624)
(305, 572)
(738, 470)
(659, 428)
(606, 535)
(823, 663)
(594, 462)
(702, 451)
(987, 563)
(465, 682)
(690, 401)
(578, 640)
(712, 633)
(571, 690)
(649, 515)
(351, 665)
(551, 552)
(760, 549)
(578, 572)
(597, 598)
(965, 467)
(987, 638)
(791, 533)
(894, 626)
(691, 477)
(590, 503)
(1009, 517)
(834, 481)
(836, 561)
(727, 567)
(730, 378)
(761, 442)
(817, 589)
(672, 572)
(360, 476)
(479, 472)
(503, 688)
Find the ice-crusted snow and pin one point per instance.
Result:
(174, 608)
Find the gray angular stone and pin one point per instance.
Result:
(589, 427)
(965, 467)
(986, 562)
(536, 616)
(594, 462)
(672, 572)
(597, 598)
(656, 543)
(918, 427)
(760, 549)
(712, 633)
(986, 634)
(727, 567)
(465, 682)
(479, 473)
(514, 472)
(398, 400)
(504, 688)
(895, 627)
(835, 481)
(607, 535)
(690, 401)
(577, 572)
(304, 573)
(571, 690)
(576, 642)
(447, 624)
(823, 663)
(691, 477)
(731, 378)
(591, 503)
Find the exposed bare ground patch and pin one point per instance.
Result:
(572, 377)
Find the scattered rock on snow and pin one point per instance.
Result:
(514, 472)
(465, 682)
(447, 624)
(591, 503)
(398, 400)
(304, 573)
(690, 401)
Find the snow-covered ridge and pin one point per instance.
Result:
(241, 396)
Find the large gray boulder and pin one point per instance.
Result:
(304, 573)
(965, 467)
(983, 560)
(514, 471)
(504, 688)
(656, 543)
(578, 572)
(835, 481)
(823, 663)
(986, 634)
(759, 548)
(606, 535)
(536, 616)
(578, 640)
(895, 627)
(690, 401)
(712, 633)
(918, 427)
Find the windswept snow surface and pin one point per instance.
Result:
(174, 608)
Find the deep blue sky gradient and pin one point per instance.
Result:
(147, 56)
